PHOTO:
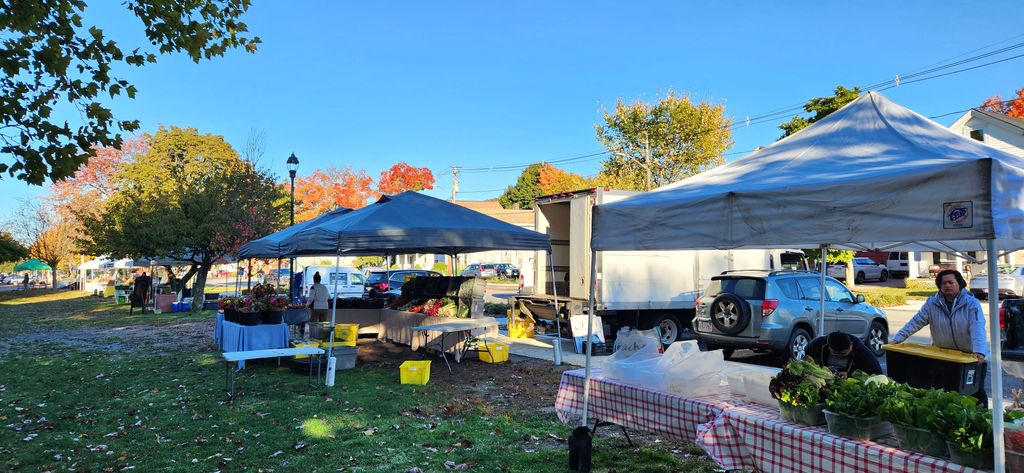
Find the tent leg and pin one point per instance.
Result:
(558, 317)
(996, 358)
(334, 309)
(821, 307)
(590, 334)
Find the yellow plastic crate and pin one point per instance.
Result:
(929, 351)
(338, 343)
(415, 372)
(520, 331)
(346, 332)
(298, 344)
(496, 353)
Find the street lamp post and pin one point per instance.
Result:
(293, 165)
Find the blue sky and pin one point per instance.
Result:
(479, 84)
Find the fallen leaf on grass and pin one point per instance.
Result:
(414, 470)
(299, 446)
(272, 455)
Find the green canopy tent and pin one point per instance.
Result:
(33, 265)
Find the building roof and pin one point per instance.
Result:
(493, 209)
(1014, 122)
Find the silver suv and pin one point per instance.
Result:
(776, 311)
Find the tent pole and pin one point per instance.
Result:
(996, 359)
(248, 266)
(277, 280)
(334, 309)
(821, 306)
(590, 332)
(558, 318)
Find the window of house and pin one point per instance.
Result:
(978, 135)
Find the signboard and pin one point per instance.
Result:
(578, 325)
(957, 215)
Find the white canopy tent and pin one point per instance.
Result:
(872, 175)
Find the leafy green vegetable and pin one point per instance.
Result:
(801, 383)
(856, 397)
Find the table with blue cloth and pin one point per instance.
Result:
(230, 336)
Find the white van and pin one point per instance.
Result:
(350, 280)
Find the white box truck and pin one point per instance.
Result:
(642, 289)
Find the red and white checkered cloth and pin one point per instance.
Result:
(752, 436)
(738, 435)
(635, 407)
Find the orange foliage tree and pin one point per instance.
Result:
(1013, 107)
(403, 177)
(329, 189)
(553, 180)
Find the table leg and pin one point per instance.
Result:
(443, 355)
(231, 380)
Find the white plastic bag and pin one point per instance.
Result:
(629, 340)
(689, 372)
(635, 360)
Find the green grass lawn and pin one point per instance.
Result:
(67, 409)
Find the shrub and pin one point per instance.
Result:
(885, 299)
(920, 284)
(441, 268)
(496, 308)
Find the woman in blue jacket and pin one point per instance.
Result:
(956, 322)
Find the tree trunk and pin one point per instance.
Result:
(199, 288)
(851, 280)
(172, 279)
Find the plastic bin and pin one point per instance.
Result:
(857, 428)
(415, 372)
(345, 358)
(925, 366)
(309, 344)
(520, 331)
(337, 343)
(346, 332)
(803, 415)
(494, 353)
(755, 387)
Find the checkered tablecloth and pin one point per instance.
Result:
(635, 407)
(751, 436)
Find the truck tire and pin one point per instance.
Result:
(884, 277)
(670, 326)
(859, 278)
(730, 314)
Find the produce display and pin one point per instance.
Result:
(437, 296)
(859, 395)
(801, 383)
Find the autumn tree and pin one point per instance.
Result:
(820, 107)
(553, 180)
(1013, 107)
(526, 189)
(651, 145)
(402, 177)
(189, 197)
(48, 234)
(53, 60)
(329, 189)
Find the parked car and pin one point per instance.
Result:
(380, 282)
(863, 269)
(1011, 282)
(898, 264)
(481, 271)
(507, 271)
(1011, 325)
(777, 311)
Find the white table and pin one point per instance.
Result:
(462, 329)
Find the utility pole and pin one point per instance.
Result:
(455, 182)
(647, 159)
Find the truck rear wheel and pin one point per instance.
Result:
(670, 325)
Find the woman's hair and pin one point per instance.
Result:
(316, 277)
(959, 277)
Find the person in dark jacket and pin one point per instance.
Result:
(843, 353)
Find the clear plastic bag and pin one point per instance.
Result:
(689, 372)
(635, 360)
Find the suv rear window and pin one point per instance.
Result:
(745, 288)
(376, 277)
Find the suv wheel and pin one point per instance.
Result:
(859, 278)
(878, 335)
(669, 326)
(884, 277)
(798, 341)
(730, 314)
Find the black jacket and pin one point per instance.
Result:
(861, 357)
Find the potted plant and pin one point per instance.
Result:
(852, 406)
(915, 414)
(249, 311)
(230, 307)
(274, 311)
(800, 389)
